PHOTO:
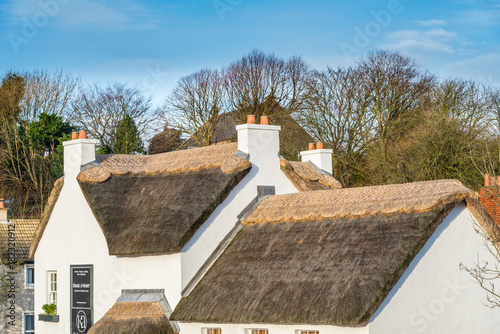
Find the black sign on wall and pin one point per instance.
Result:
(82, 281)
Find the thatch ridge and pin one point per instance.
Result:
(49, 207)
(192, 160)
(156, 214)
(328, 272)
(305, 178)
(359, 202)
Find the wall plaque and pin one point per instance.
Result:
(81, 298)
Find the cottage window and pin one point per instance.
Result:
(211, 331)
(52, 287)
(306, 332)
(258, 331)
(29, 323)
(29, 276)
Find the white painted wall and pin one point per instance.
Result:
(196, 328)
(322, 158)
(433, 295)
(261, 142)
(73, 236)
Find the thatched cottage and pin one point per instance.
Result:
(232, 238)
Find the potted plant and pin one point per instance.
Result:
(49, 313)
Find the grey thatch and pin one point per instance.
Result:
(136, 312)
(18, 235)
(334, 272)
(156, 214)
(47, 212)
(305, 178)
(322, 257)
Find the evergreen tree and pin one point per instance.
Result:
(128, 140)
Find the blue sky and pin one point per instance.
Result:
(151, 44)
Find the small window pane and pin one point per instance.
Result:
(214, 331)
(30, 275)
(29, 323)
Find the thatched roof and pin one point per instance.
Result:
(136, 313)
(22, 233)
(305, 177)
(359, 202)
(322, 257)
(154, 204)
(47, 212)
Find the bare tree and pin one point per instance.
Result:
(196, 103)
(100, 110)
(334, 111)
(257, 75)
(393, 85)
(26, 168)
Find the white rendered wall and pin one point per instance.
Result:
(73, 236)
(322, 158)
(262, 143)
(196, 328)
(433, 295)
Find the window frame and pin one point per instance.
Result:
(26, 268)
(210, 330)
(28, 331)
(256, 330)
(306, 331)
(51, 292)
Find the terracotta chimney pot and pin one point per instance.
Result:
(74, 135)
(319, 145)
(2, 203)
(251, 119)
(311, 146)
(264, 120)
(82, 135)
(498, 180)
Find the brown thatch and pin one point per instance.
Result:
(216, 156)
(137, 312)
(305, 178)
(156, 214)
(133, 318)
(51, 202)
(359, 202)
(332, 272)
(21, 233)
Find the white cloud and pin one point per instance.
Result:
(128, 14)
(431, 23)
(482, 68)
(434, 40)
(440, 33)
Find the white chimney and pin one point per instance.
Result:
(3, 210)
(261, 142)
(320, 157)
(77, 152)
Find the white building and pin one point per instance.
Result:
(232, 239)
